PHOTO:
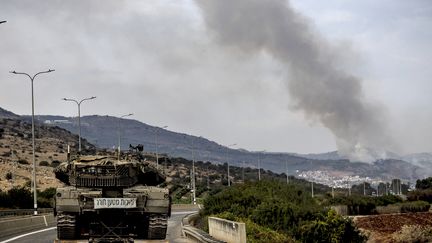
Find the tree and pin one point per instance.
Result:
(424, 184)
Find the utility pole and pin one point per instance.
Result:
(156, 143)
(226, 157)
(286, 168)
(79, 117)
(193, 174)
(243, 168)
(259, 164)
(193, 170)
(349, 189)
(208, 178)
(33, 135)
(364, 188)
(312, 189)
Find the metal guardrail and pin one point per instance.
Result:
(197, 235)
(23, 212)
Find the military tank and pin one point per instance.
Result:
(110, 200)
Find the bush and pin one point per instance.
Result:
(364, 205)
(413, 233)
(44, 163)
(23, 161)
(48, 193)
(421, 194)
(256, 233)
(9, 176)
(281, 209)
(333, 228)
(55, 163)
(412, 207)
(20, 197)
(424, 184)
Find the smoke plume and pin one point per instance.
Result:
(317, 85)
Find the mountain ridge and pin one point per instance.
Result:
(103, 132)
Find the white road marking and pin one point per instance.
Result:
(51, 228)
(24, 235)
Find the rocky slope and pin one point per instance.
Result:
(16, 152)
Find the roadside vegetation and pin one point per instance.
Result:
(22, 198)
(282, 212)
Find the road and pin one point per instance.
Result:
(49, 234)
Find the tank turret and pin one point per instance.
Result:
(102, 171)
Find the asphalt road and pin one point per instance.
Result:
(49, 235)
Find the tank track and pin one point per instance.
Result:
(66, 226)
(157, 226)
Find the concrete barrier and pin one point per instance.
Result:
(226, 230)
(194, 234)
(13, 226)
(340, 209)
(185, 207)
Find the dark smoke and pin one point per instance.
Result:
(316, 84)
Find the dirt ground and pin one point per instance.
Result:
(379, 228)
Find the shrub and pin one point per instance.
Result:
(7, 153)
(364, 205)
(46, 197)
(44, 163)
(9, 176)
(256, 233)
(412, 207)
(23, 161)
(424, 184)
(20, 197)
(274, 206)
(55, 163)
(421, 194)
(333, 228)
(413, 233)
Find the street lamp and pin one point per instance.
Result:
(259, 164)
(193, 171)
(1, 22)
(156, 142)
(226, 157)
(33, 134)
(79, 117)
(119, 134)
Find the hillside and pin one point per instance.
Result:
(16, 152)
(7, 114)
(103, 132)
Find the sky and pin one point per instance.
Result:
(160, 61)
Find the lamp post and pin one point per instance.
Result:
(119, 134)
(259, 164)
(193, 171)
(33, 135)
(156, 143)
(312, 189)
(226, 157)
(79, 117)
(1, 22)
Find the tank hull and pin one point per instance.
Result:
(138, 212)
(107, 200)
